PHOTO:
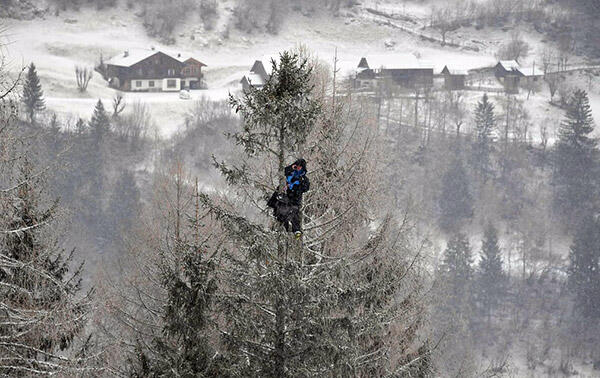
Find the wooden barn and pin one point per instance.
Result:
(454, 78)
(508, 73)
(153, 71)
(401, 69)
(256, 77)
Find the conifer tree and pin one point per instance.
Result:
(33, 96)
(455, 201)
(322, 306)
(456, 268)
(167, 314)
(576, 158)
(183, 346)
(452, 308)
(43, 313)
(491, 277)
(99, 127)
(485, 124)
(584, 269)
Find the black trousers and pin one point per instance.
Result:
(285, 212)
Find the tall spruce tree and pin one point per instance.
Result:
(575, 161)
(491, 278)
(584, 269)
(182, 345)
(485, 124)
(452, 308)
(99, 128)
(43, 312)
(33, 95)
(164, 306)
(456, 269)
(455, 201)
(322, 306)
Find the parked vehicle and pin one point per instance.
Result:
(184, 94)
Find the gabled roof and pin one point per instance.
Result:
(186, 58)
(531, 71)
(393, 61)
(509, 65)
(259, 69)
(131, 57)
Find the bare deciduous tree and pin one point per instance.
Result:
(118, 105)
(553, 81)
(443, 21)
(515, 49)
(548, 59)
(83, 76)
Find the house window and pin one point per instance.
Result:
(151, 83)
(171, 72)
(138, 83)
(140, 72)
(171, 83)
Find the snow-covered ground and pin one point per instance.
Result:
(58, 43)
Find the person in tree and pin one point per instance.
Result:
(286, 206)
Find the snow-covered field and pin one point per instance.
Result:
(58, 43)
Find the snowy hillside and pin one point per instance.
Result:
(58, 43)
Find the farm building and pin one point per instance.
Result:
(403, 70)
(153, 70)
(256, 77)
(507, 72)
(454, 78)
(532, 74)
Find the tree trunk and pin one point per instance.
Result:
(279, 362)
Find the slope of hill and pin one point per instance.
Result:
(57, 43)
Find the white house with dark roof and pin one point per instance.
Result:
(153, 70)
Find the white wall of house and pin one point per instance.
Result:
(159, 85)
(167, 88)
(146, 85)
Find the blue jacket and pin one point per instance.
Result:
(297, 184)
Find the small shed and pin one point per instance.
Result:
(454, 78)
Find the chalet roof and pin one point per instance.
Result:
(509, 65)
(531, 71)
(393, 61)
(184, 58)
(259, 69)
(130, 57)
(455, 71)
